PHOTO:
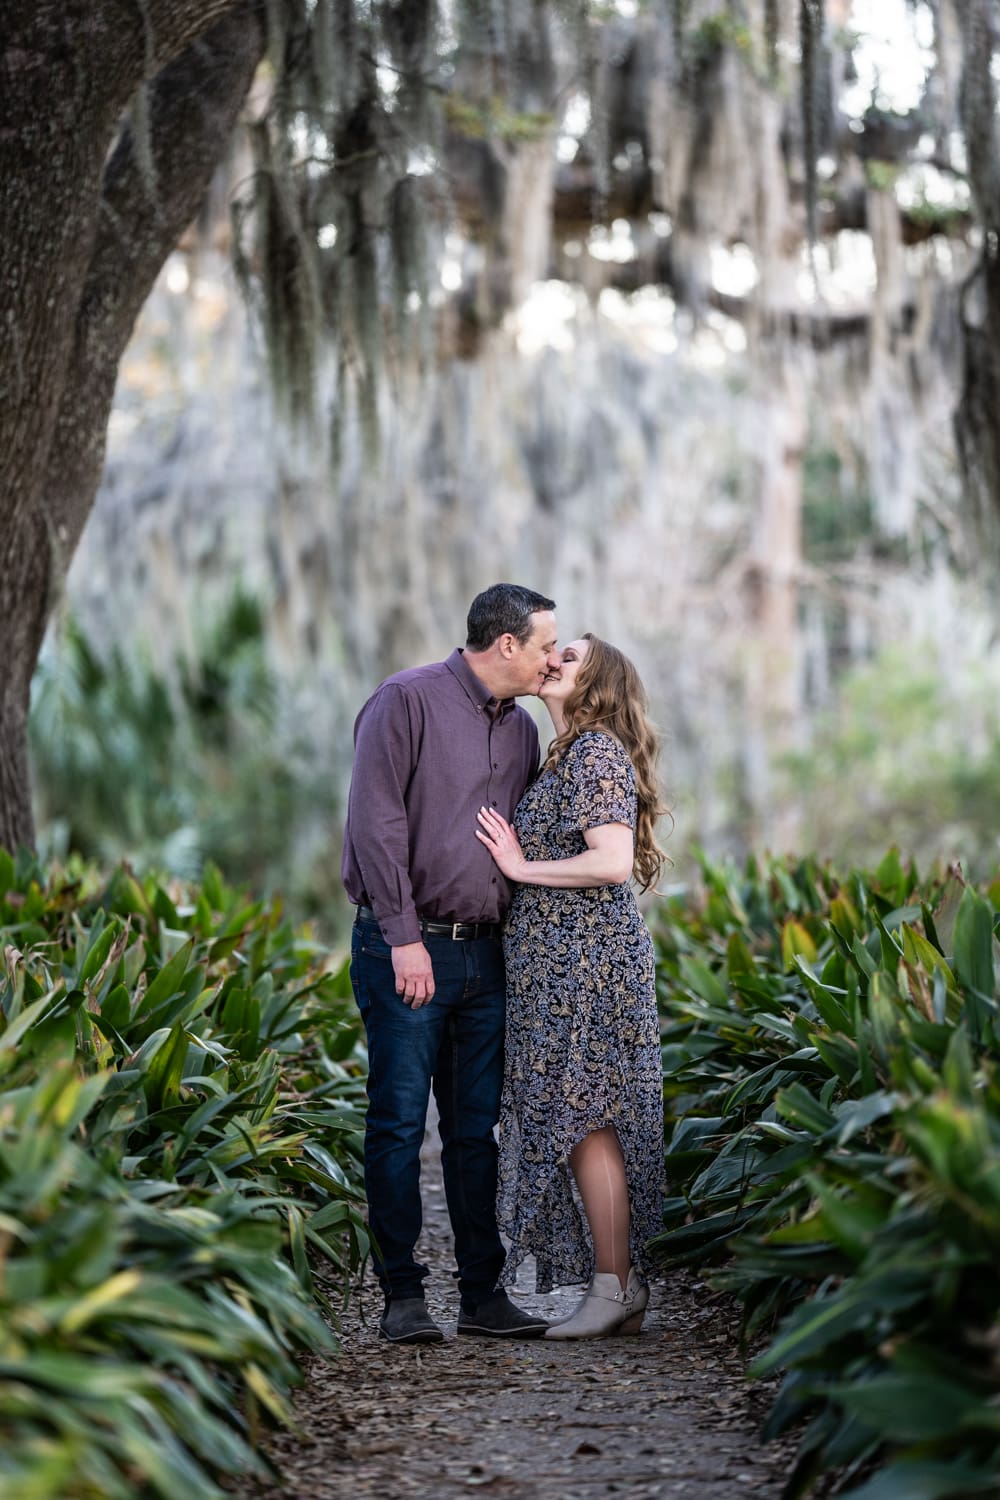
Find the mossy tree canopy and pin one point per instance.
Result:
(378, 128)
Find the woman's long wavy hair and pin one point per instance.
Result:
(608, 694)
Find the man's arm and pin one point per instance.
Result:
(383, 762)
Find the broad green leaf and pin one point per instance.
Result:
(78, 1099)
(213, 886)
(889, 876)
(297, 1241)
(699, 978)
(333, 1214)
(857, 1308)
(844, 915)
(241, 919)
(778, 1026)
(99, 1299)
(694, 1131)
(98, 951)
(27, 1018)
(919, 951)
(958, 1072)
(839, 1055)
(168, 981)
(6, 873)
(739, 959)
(789, 890)
(795, 941)
(925, 1479)
(72, 1374)
(142, 1058)
(116, 1008)
(798, 1105)
(915, 1407)
(973, 944)
(165, 1069)
(866, 964)
(125, 895)
(891, 950)
(851, 1223)
(825, 998)
(855, 1115)
(164, 908)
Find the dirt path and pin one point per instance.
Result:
(668, 1414)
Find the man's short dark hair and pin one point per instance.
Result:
(503, 609)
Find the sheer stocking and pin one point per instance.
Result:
(599, 1169)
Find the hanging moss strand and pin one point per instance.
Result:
(810, 33)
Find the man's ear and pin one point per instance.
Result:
(505, 645)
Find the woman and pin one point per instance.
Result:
(583, 1087)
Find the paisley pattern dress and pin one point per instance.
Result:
(582, 1040)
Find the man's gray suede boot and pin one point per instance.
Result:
(498, 1318)
(407, 1321)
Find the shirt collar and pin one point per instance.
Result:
(479, 693)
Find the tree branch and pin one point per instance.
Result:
(127, 40)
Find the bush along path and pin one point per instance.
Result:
(831, 1072)
(181, 1092)
(180, 1082)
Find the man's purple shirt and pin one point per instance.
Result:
(431, 746)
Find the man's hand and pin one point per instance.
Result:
(411, 964)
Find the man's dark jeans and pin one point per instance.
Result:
(456, 1043)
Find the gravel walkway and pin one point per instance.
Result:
(667, 1414)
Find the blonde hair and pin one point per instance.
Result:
(608, 694)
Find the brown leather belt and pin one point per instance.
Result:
(461, 932)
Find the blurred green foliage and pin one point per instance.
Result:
(837, 515)
(909, 752)
(210, 761)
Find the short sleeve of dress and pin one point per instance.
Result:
(600, 783)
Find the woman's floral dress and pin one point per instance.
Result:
(583, 1042)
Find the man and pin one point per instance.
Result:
(432, 746)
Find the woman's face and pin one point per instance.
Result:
(558, 684)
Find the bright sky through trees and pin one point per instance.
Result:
(892, 56)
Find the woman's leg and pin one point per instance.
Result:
(599, 1169)
(616, 1299)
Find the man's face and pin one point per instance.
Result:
(531, 663)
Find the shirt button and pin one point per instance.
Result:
(493, 804)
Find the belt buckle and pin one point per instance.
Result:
(454, 930)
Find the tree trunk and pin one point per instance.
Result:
(772, 656)
(976, 419)
(87, 221)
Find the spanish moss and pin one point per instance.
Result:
(810, 33)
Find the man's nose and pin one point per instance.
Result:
(555, 659)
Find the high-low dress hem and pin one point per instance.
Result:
(583, 1042)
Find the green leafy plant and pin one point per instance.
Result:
(168, 769)
(181, 1083)
(830, 1066)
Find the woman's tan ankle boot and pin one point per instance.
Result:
(637, 1290)
(606, 1309)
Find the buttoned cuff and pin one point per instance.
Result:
(400, 929)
